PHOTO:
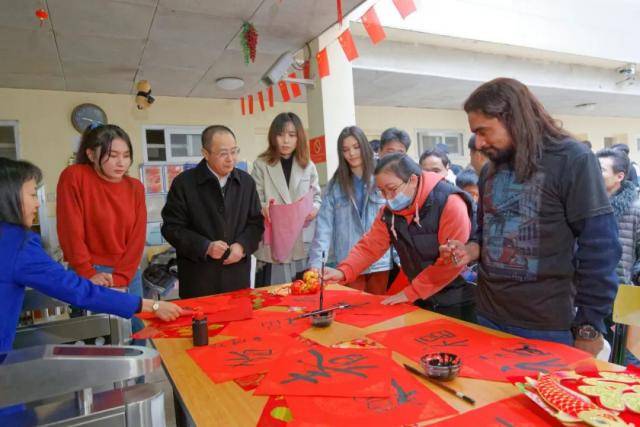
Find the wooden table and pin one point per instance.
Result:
(226, 404)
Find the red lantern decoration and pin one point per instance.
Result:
(42, 15)
(249, 42)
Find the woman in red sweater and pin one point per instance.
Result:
(101, 211)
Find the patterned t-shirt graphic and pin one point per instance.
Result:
(512, 226)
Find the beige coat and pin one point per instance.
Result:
(271, 184)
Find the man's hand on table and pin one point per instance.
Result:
(398, 298)
(165, 311)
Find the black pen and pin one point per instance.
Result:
(460, 394)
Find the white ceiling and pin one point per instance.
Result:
(383, 88)
(181, 46)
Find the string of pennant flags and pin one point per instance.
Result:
(376, 33)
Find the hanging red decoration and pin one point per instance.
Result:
(339, 7)
(249, 42)
(42, 15)
(270, 95)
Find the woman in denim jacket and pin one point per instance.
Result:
(349, 207)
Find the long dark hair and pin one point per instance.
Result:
(100, 137)
(13, 174)
(301, 154)
(524, 117)
(343, 175)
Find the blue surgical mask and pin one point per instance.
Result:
(399, 202)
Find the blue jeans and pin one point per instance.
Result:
(135, 288)
(562, 337)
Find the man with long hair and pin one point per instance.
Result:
(547, 239)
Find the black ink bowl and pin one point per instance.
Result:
(441, 366)
(322, 320)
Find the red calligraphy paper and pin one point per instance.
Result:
(276, 413)
(295, 87)
(318, 150)
(217, 308)
(410, 402)
(267, 322)
(516, 357)
(511, 412)
(261, 100)
(323, 371)
(348, 45)
(436, 336)
(250, 382)
(259, 298)
(250, 104)
(284, 91)
(270, 95)
(405, 7)
(159, 329)
(242, 105)
(323, 63)
(238, 358)
(372, 25)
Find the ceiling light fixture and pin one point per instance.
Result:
(230, 83)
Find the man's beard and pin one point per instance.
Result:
(499, 156)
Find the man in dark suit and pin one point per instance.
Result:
(212, 217)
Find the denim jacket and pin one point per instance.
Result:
(339, 226)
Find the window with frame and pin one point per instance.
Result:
(430, 139)
(9, 139)
(172, 144)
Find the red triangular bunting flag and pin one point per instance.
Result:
(306, 69)
(405, 7)
(261, 100)
(348, 46)
(242, 105)
(323, 63)
(250, 104)
(270, 95)
(284, 91)
(372, 25)
(295, 87)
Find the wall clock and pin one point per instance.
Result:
(86, 114)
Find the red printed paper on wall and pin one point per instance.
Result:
(152, 179)
(410, 402)
(170, 173)
(434, 337)
(268, 322)
(322, 371)
(514, 411)
(518, 357)
(318, 149)
(238, 358)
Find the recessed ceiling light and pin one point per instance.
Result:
(230, 83)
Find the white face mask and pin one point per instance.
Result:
(400, 201)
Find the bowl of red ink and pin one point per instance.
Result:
(441, 366)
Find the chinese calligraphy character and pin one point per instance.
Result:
(347, 364)
(431, 338)
(544, 366)
(249, 357)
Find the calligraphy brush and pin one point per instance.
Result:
(322, 280)
(446, 388)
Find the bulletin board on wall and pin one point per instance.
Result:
(157, 181)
